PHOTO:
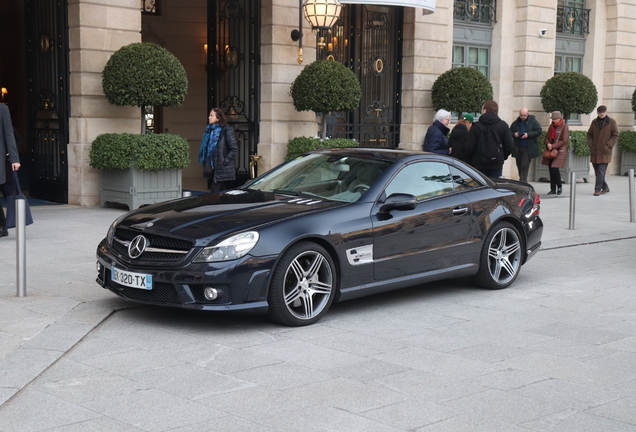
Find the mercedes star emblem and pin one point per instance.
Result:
(137, 246)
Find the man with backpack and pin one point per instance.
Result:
(489, 141)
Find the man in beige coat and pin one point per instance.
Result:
(601, 138)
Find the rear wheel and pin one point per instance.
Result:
(303, 285)
(500, 259)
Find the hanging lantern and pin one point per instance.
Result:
(322, 14)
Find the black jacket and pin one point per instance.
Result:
(500, 130)
(226, 150)
(457, 141)
(435, 140)
(533, 129)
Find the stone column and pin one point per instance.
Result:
(427, 53)
(620, 64)
(533, 61)
(279, 67)
(96, 30)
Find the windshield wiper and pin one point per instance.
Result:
(285, 192)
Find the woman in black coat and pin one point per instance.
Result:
(218, 150)
(457, 139)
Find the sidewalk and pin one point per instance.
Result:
(64, 304)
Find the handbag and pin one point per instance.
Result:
(11, 205)
(208, 169)
(550, 154)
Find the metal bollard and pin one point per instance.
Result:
(20, 249)
(187, 194)
(572, 198)
(632, 197)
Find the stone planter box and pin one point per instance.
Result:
(578, 164)
(136, 188)
(628, 161)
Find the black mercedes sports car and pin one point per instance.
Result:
(330, 225)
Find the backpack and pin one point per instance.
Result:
(489, 147)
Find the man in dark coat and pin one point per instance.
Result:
(525, 131)
(10, 160)
(488, 133)
(601, 138)
(436, 140)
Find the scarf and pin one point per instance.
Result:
(209, 142)
(552, 130)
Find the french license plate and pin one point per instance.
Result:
(130, 279)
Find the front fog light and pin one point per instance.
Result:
(211, 293)
(99, 267)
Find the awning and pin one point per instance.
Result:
(428, 6)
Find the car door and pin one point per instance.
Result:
(429, 237)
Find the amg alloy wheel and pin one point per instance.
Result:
(500, 259)
(303, 285)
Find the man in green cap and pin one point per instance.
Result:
(525, 131)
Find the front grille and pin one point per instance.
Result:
(154, 241)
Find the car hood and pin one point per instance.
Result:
(205, 217)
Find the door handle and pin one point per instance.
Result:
(459, 211)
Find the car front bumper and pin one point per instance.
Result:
(241, 284)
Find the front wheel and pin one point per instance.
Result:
(500, 259)
(303, 285)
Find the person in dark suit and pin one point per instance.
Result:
(11, 162)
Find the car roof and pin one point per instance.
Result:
(389, 155)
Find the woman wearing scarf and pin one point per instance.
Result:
(556, 138)
(218, 150)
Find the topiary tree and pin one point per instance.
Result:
(570, 93)
(144, 74)
(324, 86)
(461, 90)
(634, 101)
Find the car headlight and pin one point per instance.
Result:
(229, 249)
(110, 235)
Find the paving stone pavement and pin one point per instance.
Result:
(554, 352)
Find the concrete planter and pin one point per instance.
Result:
(135, 187)
(578, 164)
(628, 161)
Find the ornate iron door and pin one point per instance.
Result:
(368, 39)
(233, 72)
(48, 98)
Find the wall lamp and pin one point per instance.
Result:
(321, 14)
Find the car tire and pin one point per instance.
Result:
(303, 285)
(500, 259)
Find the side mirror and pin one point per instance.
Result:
(399, 201)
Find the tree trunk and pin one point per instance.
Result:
(324, 126)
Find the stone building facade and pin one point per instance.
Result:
(519, 47)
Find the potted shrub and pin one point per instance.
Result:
(325, 86)
(461, 90)
(139, 169)
(627, 146)
(300, 145)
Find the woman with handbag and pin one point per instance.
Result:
(556, 142)
(218, 150)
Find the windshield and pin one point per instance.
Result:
(324, 176)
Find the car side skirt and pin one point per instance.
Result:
(407, 281)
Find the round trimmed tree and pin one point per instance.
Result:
(570, 93)
(325, 86)
(634, 101)
(460, 90)
(144, 74)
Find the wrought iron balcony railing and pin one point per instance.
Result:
(478, 11)
(573, 20)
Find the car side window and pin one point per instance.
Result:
(423, 180)
(462, 181)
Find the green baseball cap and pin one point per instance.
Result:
(468, 117)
